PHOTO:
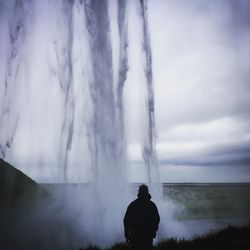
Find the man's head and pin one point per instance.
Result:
(143, 189)
(143, 192)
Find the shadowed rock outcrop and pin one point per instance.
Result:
(16, 188)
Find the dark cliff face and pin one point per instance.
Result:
(16, 188)
(24, 222)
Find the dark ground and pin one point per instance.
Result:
(230, 238)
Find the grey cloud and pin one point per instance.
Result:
(234, 154)
(240, 14)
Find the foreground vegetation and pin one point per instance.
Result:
(230, 238)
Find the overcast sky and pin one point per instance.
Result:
(201, 66)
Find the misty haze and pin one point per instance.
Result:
(98, 97)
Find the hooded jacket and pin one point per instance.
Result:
(142, 218)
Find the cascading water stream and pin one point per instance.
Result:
(62, 111)
(148, 147)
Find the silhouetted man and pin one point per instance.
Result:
(141, 221)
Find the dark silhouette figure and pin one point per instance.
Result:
(141, 221)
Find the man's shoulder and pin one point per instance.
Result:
(133, 203)
(152, 204)
(138, 202)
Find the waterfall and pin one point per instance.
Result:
(59, 84)
(148, 147)
(64, 66)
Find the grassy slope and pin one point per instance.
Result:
(209, 201)
(230, 238)
(16, 188)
